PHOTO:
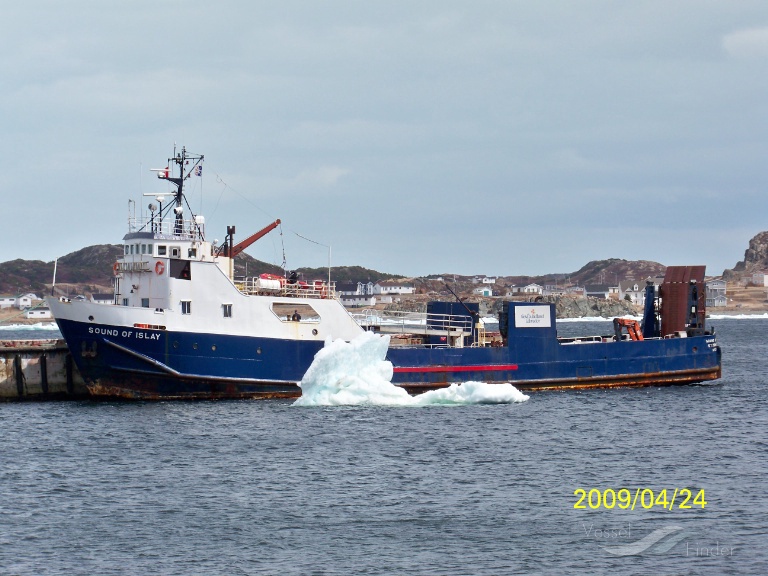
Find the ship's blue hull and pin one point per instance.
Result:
(154, 364)
(537, 364)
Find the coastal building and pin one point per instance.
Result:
(484, 280)
(25, 301)
(525, 290)
(634, 290)
(357, 300)
(760, 278)
(103, 298)
(21, 302)
(355, 288)
(346, 288)
(601, 291)
(392, 287)
(483, 291)
(716, 293)
(41, 312)
(553, 290)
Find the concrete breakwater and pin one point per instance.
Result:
(38, 370)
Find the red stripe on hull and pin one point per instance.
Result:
(455, 368)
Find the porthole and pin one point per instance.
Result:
(258, 350)
(175, 344)
(194, 346)
(90, 318)
(314, 332)
(213, 347)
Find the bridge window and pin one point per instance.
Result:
(290, 312)
(180, 269)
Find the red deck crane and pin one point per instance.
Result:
(240, 246)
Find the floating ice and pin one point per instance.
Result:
(356, 374)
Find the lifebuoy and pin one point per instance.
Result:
(115, 268)
(159, 268)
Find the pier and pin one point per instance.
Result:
(38, 370)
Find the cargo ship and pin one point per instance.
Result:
(183, 326)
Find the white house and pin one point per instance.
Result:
(25, 300)
(355, 300)
(717, 301)
(716, 290)
(529, 289)
(40, 312)
(553, 290)
(632, 290)
(533, 289)
(346, 289)
(635, 289)
(392, 287)
(21, 302)
(598, 291)
(7, 302)
(484, 280)
(483, 291)
(760, 278)
(102, 298)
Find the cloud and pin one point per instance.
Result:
(324, 177)
(747, 43)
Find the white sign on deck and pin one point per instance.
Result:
(532, 317)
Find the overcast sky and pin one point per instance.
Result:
(499, 137)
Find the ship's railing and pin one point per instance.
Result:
(169, 227)
(256, 285)
(412, 322)
(585, 339)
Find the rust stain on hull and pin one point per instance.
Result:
(142, 388)
(116, 392)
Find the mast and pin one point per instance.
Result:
(181, 160)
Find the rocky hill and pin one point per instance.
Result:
(755, 259)
(615, 269)
(608, 271)
(89, 270)
(18, 276)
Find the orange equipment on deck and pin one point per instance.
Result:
(632, 326)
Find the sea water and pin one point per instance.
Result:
(268, 487)
(39, 331)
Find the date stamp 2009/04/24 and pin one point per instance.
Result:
(646, 498)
